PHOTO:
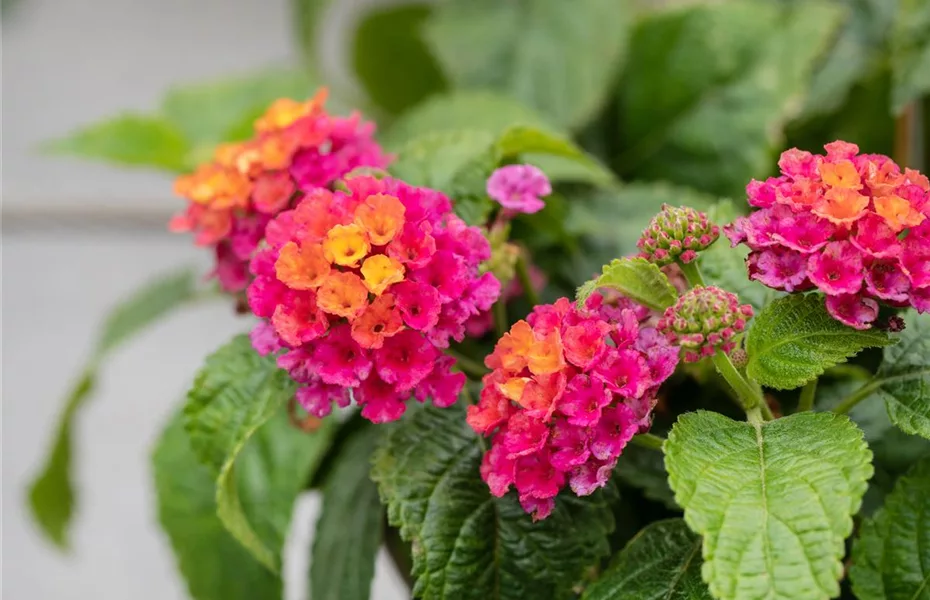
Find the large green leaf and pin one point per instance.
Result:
(903, 379)
(466, 543)
(708, 110)
(233, 398)
(558, 57)
(391, 59)
(129, 139)
(889, 560)
(910, 53)
(214, 565)
(774, 501)
(794, 339)
(663, 562)
(637, 279)
(348, 532)
(51, 491)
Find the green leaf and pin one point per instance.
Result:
(539, 145)
(644, 468)
(663, 562)
(51, 491)
(888, 559)
(307, 15)
(348, 532)
(129, 139)
(637, 279)
(910, 53)
(466, 543)
(435, 159)
(391, 60)
(903, 379)
(224, 110)
(214, 565)
(708, 111)
(233, 397)
(774, 501)
(794, 339)
(558, 57)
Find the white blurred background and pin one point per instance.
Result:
(69, 252)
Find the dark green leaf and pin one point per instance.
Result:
(466, 543)
(888, 560)
(637, 279)
(348, 532)
(910, 53)
(644, 468)
(132, 140)
(51, 491)
(794, 339)
(663, 562)
(215, 566)
(708, 110)
(774, 501)
(558, 57)
(392, 61)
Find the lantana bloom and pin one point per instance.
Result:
(677, 233)
(519, 188)
(297, 147)
(362, 288)
(703, 321)
(851, 225)
(567, 390)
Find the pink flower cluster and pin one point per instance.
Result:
(519, 188)
(568, 389)
(362, 289)
(704, 320)
(852, 225)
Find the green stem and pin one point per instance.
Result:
(467, 365)
(500, 318)
(692, 272)
(648, 440)
(808, 394)
(856, 397)
(748, 393)
(523, 274)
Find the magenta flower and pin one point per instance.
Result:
(519, 188)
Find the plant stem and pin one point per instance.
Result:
(856, 397)
(467, 365)
(749, 394)
(648, 440)
(808, 394)
(500, 318)
(523, 274)
(692, 272)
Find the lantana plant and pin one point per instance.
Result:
(526, 378)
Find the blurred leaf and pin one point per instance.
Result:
(214, 565)
(307, 16)
(224, 110)
(391, 60)
(51, 491)
(910, 53)
(708, 111)
(129, 139)
(348, 531)
(903, 379)
(434, 160)
(558, 57)
(636, 278)
(522, 140)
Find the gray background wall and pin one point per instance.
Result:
(66, 63)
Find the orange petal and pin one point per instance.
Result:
(343, 294)
(841, 205)
(302, 268)
(513, 387)
(545, 356)
(382, 216)
(840, 174)
(898, 212)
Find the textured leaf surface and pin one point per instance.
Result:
(466, 543)
(708, 111)
(774, 501)
(794, 339)
(889, 560)
(903, 379)
(233, 397)
(644, 468)
(558, 57)
(663, 562)
(348, 532)
(51, 492)
(214, 565)
(635, 278)
(910, 52)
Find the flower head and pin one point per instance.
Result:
(704, 320)
(568, 388)
(297, 147)
(852, 225)
(677, 233)
(364, 289)
(519, 188)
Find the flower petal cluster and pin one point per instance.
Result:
(704, 320)
(677, 233)
(296, 147)
(362, 289)
(568, 389)
(851, 225)
(519, 188)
